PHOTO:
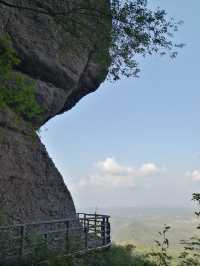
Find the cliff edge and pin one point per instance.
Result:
(62, 67)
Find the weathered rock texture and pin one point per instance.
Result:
(65, 70)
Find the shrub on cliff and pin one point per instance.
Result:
(115, 256)
(16, 91)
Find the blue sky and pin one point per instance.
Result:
(136, 142)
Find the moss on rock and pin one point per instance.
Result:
(17, 91)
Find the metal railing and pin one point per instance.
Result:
(96, 228)
(86, 232)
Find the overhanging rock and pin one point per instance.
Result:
(64, 68)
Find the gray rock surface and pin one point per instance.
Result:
(65, 70)
(31, 188)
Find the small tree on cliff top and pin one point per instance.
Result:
(135, 29)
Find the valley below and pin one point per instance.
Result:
(140, 226)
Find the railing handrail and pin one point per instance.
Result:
(94, 214)
(94, 228)
(55, 221)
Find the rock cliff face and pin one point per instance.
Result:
(64, 69)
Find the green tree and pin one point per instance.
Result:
(191, 254)
(160, 256)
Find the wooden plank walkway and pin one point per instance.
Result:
(86, 232)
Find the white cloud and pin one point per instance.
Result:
(110, 174)
(110, 166)
(195, 174)
(148, 169)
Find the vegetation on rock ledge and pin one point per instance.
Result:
(16, 90)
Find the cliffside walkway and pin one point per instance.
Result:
(71, 236)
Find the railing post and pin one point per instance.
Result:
(103, 231)
(86, 229)
(95, 228)
(108, 240)
(46, 239)
(84, 221)
(22, 235)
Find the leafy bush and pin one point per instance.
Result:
(115, 256)
(160, 256)
(191, 254)
(16, 91)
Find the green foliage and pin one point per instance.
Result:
(189, 259)
(115, 256)
(16, 91)
(138, 30)
(191, 254)
(8, 57)
(161, 256)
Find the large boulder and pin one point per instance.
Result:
(64, 69)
